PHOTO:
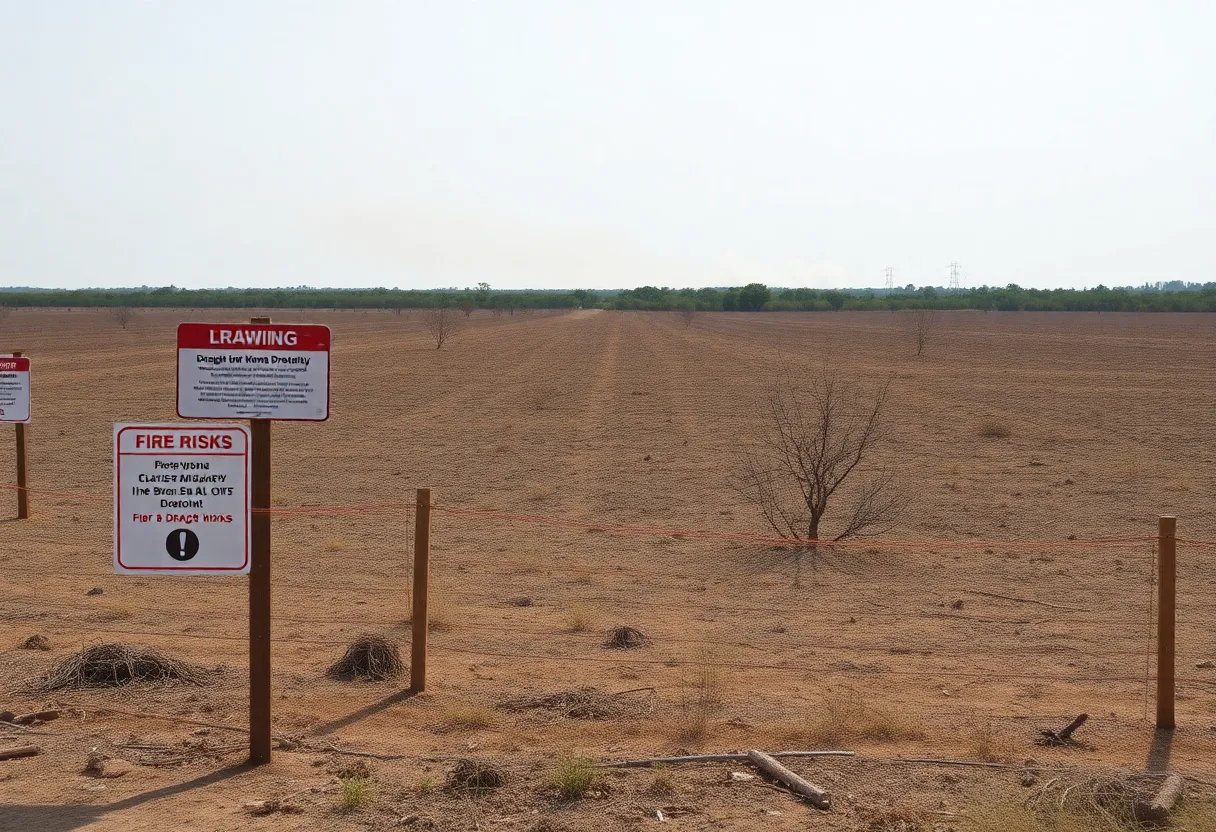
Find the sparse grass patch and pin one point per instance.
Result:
(441, 613)
(574, 776)
(989, 745)
(466, 718)
(354, 792)
(335, 544)
(114, 612)
(995, 429)
(847, 717)
(541, 493)
(700, 697)
(579, 619)
(426, 784)
(663, 783)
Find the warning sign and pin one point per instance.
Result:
(14, 389)
(253, 371)
(181, 499)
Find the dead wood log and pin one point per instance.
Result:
(1157, 812)
(19, 751)
(1064, 735)
(817, 797)
(717, 758)
(36, 716)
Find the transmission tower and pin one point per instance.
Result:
(890, 278)
(955, 285)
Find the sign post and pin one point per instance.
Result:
(262, 372)
(181, 499)
(15, 407)
(259, 594)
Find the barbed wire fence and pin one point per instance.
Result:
(972, 646)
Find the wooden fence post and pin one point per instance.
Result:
(422, 583)
(1167, 572)
(23, 494)
(259, 592)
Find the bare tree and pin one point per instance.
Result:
(818, 438)
(923, 325)
(467, 307)
(688, 314)
(441, 322)
(122, 315)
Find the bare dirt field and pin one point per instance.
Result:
(577, 459)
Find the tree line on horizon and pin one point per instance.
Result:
(754, 297)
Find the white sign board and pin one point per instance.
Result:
(14, 389)
(181, 499)
(253, 371)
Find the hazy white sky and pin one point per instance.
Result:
(601, 143)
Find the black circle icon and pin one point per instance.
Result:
(181, 544)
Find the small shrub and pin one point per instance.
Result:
(663, 783)
(354, 792)
(426, 784)
(989, 746)
(574, 776)
(994, 429)
(579, 619)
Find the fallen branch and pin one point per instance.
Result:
(349, 753)
(1025, 600)
(972, 763)
(19, 751)
(1064, 735)
(716, 758)
(1168, 796)
(30, 719)
(818, 797)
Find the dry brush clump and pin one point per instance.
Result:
(475, 775)
(582, 703)
(371, 657)
(625, 638)
(111, 665)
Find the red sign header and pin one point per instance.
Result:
(14, 365)
(279, 337)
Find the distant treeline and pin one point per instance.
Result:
(301, 298)
(1191, 297)
(1168, 297)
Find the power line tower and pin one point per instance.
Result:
(955, 284)
(890, 278)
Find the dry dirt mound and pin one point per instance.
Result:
(370, 657)
(111, 665)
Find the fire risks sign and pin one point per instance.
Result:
(181, 499)
(14, 389)
(253, 371)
